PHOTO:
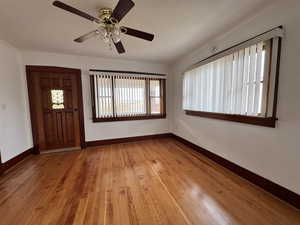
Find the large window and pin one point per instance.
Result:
(127, 97)
(239, 84)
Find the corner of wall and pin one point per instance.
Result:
(14, 109)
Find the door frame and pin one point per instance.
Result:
(31, 97)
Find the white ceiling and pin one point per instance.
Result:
(178, 25)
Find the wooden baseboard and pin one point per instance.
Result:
(127, 139)
(12, 162)
(269, 186)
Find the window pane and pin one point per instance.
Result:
(155, 105)
(105, 107)
(154, 88)
(57, 98)
(130, 96)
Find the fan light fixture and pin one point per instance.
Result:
(109, 30)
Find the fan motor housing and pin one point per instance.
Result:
(105, 13)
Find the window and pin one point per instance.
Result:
(127, 97)
(238, 84)
(130, 96)
(57, 98)
(155, 97)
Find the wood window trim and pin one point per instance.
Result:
(146, 116)
(162, 94)
(129, 72)
(254, 120)
(126, 118)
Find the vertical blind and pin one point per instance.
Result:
(130, 96)
(232, 84)
(104, 103)
(121, 96)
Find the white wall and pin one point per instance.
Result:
(15, 130)
(271, 153)
(107, 130)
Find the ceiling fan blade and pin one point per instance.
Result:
(120, 48)
(74, 11)
(139, 34)
(122, 8)
(87, 36)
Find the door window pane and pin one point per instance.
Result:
(57, 98)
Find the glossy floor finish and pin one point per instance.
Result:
(151, 182)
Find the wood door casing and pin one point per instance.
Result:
(55, 128)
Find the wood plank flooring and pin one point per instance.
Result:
(155, 182)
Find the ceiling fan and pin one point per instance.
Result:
(109, 29)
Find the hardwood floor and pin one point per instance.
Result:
(152, 182)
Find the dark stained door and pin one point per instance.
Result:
(55, 102)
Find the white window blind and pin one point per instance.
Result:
(104, 103)
(121, 96)
(232, 84)
(241, 80)
(130, 96)
(127, 99)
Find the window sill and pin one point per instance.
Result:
(259, 121)
(127, 118)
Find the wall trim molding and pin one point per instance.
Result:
(126, 139)
(267, 185)
(15, 160)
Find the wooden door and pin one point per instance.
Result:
(56, 107)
